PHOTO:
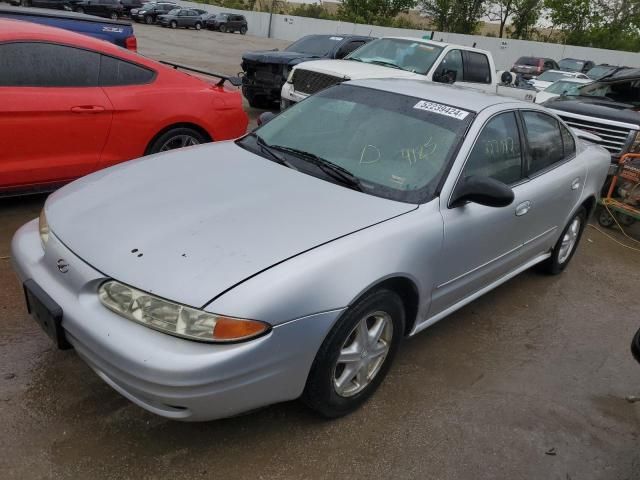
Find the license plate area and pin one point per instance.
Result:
(46, 312)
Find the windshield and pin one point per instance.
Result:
(571, 65)
(564, 87)
(408, 55)
(530, 61)
(396, 146)
(318, 45)
(627, 91)
(597, 72)
(550, 76)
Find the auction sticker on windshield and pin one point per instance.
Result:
(441, 109)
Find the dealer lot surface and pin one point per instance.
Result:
(529, 381)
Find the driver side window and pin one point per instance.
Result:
(497, 152)
(452, 62)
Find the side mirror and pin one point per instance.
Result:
(445, 76)
(266, 117)
(482, 190)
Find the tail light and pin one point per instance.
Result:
(131, 43)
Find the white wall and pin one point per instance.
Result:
(505, 51)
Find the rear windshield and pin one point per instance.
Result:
(315, 45)
(600, 71)
(549, 76)
(564, 87)
(531, 61)
(571, 65)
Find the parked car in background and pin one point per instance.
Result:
(547, 78)
(530, 67)
(129, 5)
(227, 22)
(403, 57)
(561, 87)
(608, 108)
(102, 8)
(575, 65)
(358, 217)
(53, 4)
(603, 70)
(72, 104)
(149, 12)
(182, 18)
(117, 32)
(266, 71)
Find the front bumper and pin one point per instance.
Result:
(169, 376)
(290, 96)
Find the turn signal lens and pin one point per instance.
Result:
(43, 227)
(174, 318)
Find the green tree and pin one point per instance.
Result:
(459, 16)
(501, 11)
(380, 12)
(525, 17)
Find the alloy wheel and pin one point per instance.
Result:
(179, 141)
(569, 240)
(363, 354)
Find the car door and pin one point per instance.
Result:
(54, 119)
(555, 179)
(481, 244)
(190, 18)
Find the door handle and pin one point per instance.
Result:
(523, 208)
(87, 109)
(575, 184)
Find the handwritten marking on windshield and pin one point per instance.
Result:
(369, 148)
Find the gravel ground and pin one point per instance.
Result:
(528, 382)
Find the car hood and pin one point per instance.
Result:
(595, 107)
(190, 224)
(277, 57)
(357, 70)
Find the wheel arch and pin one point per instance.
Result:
(590, 205)
(408, 293)
(193, 126)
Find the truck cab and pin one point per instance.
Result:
(401, 57)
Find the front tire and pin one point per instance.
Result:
(198, 26)
(567, 244)
(223, 28)
(148, 19)
(243, 30)
(356, 355)
(114, 16)
(173, 24)
(176, 138)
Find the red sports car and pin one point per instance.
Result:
(71, 104)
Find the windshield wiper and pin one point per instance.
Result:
(386, 64)
(335, 171)
(268, 149)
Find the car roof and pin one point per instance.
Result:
(466, 98)
(432, 42)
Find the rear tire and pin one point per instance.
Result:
(114, 16)
(243, 30)
(356, 354)
(223, 28)
(148, 20)
(567, 244)
(176, 138)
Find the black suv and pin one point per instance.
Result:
(149, 12)
(54, 4)
(266, 72)
(227, 22)
(101, 8)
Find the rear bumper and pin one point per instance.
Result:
(169, 376)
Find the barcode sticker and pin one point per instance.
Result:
(441, 109)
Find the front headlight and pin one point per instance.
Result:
(43, 227)
(176, 319)
(635, 145)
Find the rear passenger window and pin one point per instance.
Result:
(476, 68)
(497, 152)
(35, 64)
(568, 142)
(115, 72)
(545, 141)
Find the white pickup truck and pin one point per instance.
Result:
(399, 57)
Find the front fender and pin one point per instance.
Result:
(331, 276)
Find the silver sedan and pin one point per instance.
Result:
(208, 281)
